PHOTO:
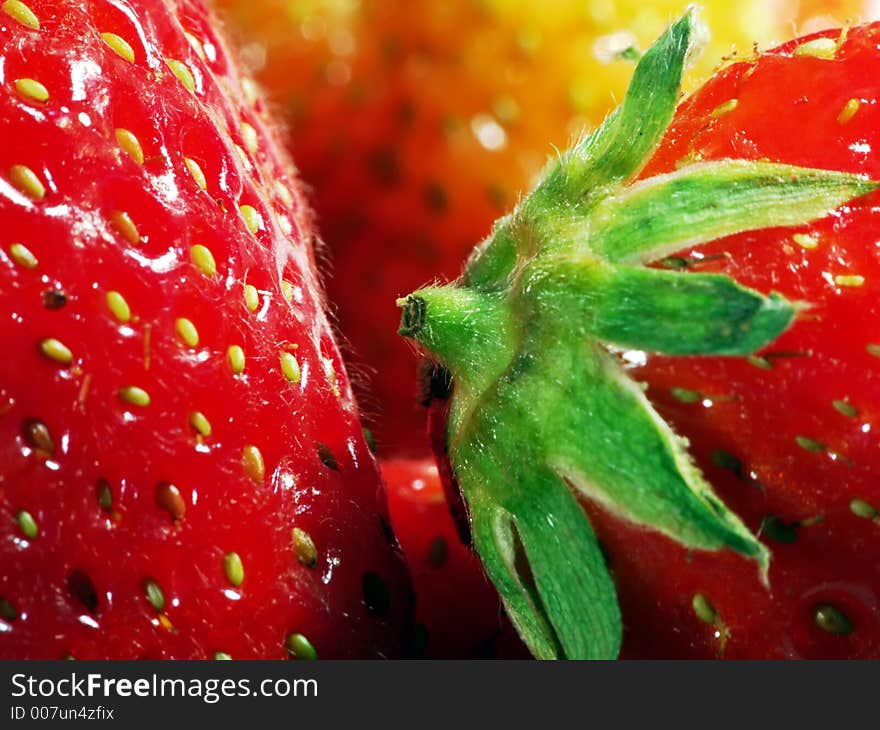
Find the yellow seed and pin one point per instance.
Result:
(155, 595)
(249, 137)
(131, 145)
(290, 367)
(31, 89)
(252, 461)
(134, 395)
(845, 408)
(23, 256)
(251, 297)
(123, 223)
(56, 350)
(235, 357)
(726, 107)
(250, 91)
(118, 306)
(863, 509)
(200, 423)
(27, 182)
(704, 609)
(27, 524)
(849, 111)
(806, 240)
(251, 218)
(304, 547)
(203, 259)
(283, 193)
(196, 172)
(849, 280)
(169, 499)
(808, 444)
(299, 647)
(22, 13)
(824, 48)
(120, 45)
(187, 331)
(286, 289)
(234, 569)
(181, 70)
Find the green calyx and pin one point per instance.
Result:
(542, 412)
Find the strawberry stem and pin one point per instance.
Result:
(540, 409)
(470, 347)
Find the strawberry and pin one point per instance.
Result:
(171, 395)
(715, 410)
(417, 122)
(458, 613)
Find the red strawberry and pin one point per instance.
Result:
(182, 469)
(555, 323)
(457, 609)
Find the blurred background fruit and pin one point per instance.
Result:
(417, 123)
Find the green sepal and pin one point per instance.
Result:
(692, 314)
(659, 311)
(621, 146)
(618, 451)
(550, 573)
(697, 204)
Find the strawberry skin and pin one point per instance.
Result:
(182, 468)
